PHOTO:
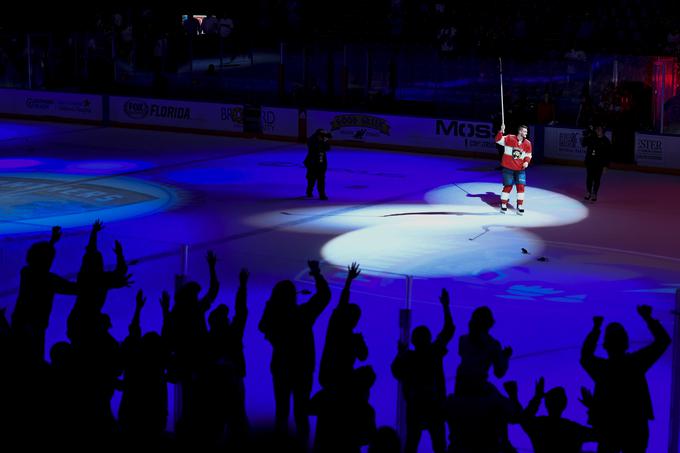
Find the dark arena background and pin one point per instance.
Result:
(185, 131)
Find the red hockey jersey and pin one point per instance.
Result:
(515, 153)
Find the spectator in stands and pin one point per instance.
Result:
(343, 347)
(553, 434)
(223, 385)
(421, 374)
(475, 399)
(37, 288)
(187, 334)
(622, 406)
(385, 440)
(345, 418)
(143, 408)
(288, 327)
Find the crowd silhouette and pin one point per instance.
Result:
(65, 402)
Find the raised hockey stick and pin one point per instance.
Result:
(500, 66)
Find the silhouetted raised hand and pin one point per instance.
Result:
(539, 390)
(444, 298)
(597, 321)
(211, 257)
(56, 234)
(314, 268)
(353, 271)
(645, 311)
(586, 397)
(243, 276)
(117, 248)
(140, 300)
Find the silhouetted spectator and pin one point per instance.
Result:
(37, 288)
(479, 423)
(621, 406)
(345, 419)
(479, 351)
(385, 440)
(421, 374)
(343, 347)
(143, 408)
(553, 434)
(98, 367)
(288, 327)
(187, 334)
(61, 390)
(94, 283)
(224, 392)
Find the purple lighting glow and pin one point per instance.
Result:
(104, 166)
(18, 163)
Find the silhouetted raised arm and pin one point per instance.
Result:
(135, 328)
(165, 310)
(446, 334)
(119, 277)
(532, 408)
(241, 311)
(353, 272)
(648, 355)
(61, 285)
(322, 297)
(214, 288)
(56, 235)
(96, 228)
(588, 359)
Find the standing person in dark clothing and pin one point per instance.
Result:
(345, 419)
(316, 163)
(421, 374)
(187, 334)
(223, 388)
(143, 408)
(94, 284)
(288, 327)
(479, 352)
(598, 153)
(553, 434)
(343, 346)
(37, 288)
(621, 406)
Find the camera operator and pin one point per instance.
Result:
(598, 153)
(316, 163)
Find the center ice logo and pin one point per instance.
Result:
(29, 201)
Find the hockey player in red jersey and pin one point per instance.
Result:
(516, 158)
